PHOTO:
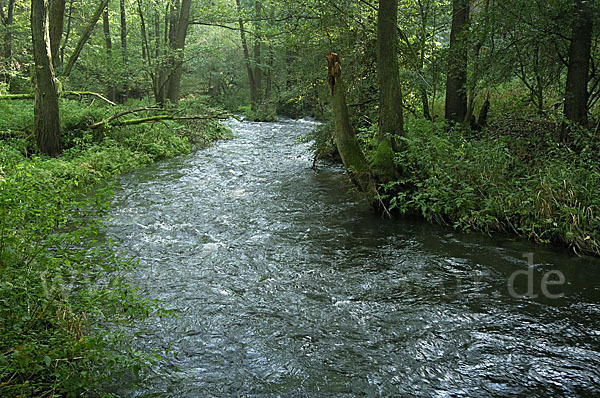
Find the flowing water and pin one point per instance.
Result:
(285, 284)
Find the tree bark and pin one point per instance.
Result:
(253, 92)
(57, 14)
(391, 122)
(345, 140)
(456, 95)
(182, 26)
(110, 90)
(84, 38)
(258, 74)
(123, 30)
(67, 32)
(46, 111)
(576, 93)
(8, 21)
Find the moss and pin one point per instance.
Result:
(382, 162)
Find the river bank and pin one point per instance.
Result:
(513, 177)
(60, 283)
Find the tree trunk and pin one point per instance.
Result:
(345, 140)
(146, 54)
(46, 116)
(143, 32)
(57, 14)
(106, 30)
(425, 102)
(456, 95)
(8, 21)
(160, 65)
(483, 114)
(110, 90)
(172, 22)
(182, 26)
(67, 32)
(423, 14)
(258, 74)
(84, 38)
(123, 30)
(253, 93)
(391, 122)
(269, 77)
(576, 93)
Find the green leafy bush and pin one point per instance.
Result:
(51, 302)
(547, 193)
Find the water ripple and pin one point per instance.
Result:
(286, 285)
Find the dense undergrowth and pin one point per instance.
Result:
(60, 281)
(528, 184)
(514, 177)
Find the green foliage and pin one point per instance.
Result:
(60, 281)
(321, 142)
(493, 184)
(51, 301)
(382, 161)
(265, 113)
(17, 116)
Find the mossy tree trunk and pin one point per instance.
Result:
(46, 117)
(352, 156)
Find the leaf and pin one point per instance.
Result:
(47, 360)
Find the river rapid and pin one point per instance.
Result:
(285, 284)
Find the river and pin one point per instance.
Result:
(285, 284)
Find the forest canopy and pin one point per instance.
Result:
(524, 57)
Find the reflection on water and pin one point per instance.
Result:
(287, 285)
